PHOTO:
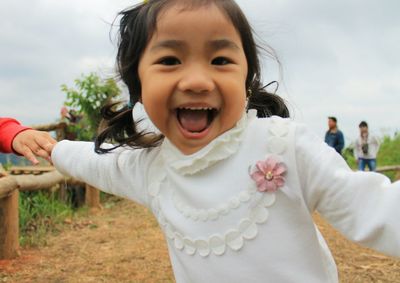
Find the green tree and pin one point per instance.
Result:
(85, 100)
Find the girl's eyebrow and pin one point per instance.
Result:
(219, 44)
(214, 45)
(170, 44)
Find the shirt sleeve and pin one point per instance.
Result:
(9, 128)
(340, 142)
(364, 206)
(122, 172)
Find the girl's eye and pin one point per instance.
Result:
(221, 61)
(169, 61)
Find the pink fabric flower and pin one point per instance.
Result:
(269, 175)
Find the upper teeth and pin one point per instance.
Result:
(197, 108)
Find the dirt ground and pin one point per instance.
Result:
(123, 243)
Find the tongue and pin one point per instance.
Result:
(193, 120)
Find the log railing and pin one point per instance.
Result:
(10, 185)
(39, 178)
(393, 168)
(59, 128)
(9, 190)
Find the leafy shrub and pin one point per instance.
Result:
(86, 99)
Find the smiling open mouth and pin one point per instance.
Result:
(195, 119)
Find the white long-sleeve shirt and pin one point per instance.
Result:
(219, 228)
(373, 147)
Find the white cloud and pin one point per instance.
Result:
(339, 58)
(48, 43)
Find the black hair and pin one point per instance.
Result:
(333, 119)
(363, 124)
(137, 25)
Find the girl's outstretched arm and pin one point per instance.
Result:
(122, 172)
(364, 206)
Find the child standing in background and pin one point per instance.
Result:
(231, 181)
(24, 141)
(366, 148)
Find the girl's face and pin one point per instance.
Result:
(193, 73)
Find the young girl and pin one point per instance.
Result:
(233, 192)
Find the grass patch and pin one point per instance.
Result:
(40, 213)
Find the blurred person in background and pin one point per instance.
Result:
(366, 148)
(334, 137)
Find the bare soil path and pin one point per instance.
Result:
(123, 243)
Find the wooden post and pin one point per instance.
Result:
(61, 133)
(3, 172)
(9, 222)
(63, 196)
(92, 198)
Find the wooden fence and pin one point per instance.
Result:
(40, 178)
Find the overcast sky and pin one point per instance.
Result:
(338, 58)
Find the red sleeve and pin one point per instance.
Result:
(9, 128)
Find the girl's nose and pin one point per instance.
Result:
(196, 79)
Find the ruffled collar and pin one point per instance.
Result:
(220, 148)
